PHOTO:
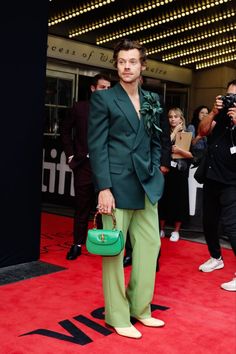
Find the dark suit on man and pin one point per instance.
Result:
(165, 161)
(121, 178)
(126, 160)
(74, 138)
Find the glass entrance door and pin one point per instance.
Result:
(59, 94)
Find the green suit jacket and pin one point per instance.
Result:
(123, 156)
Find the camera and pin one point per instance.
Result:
(229, 100)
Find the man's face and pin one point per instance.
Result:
(101, 85)
(129, 66)
(232, 111)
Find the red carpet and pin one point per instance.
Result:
(61, 313)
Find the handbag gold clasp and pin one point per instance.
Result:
(102, 237)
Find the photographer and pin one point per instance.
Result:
(219, 189)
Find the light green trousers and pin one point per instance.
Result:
(135, 300)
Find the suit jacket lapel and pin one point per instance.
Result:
(141, 129)
(125, 105)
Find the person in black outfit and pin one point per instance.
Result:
(219, 188)
(74, 139)
(165, 167)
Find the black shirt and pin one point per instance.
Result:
(221, 159)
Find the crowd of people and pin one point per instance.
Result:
(132, 157)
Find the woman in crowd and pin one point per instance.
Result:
(199, 143)
(174, 204)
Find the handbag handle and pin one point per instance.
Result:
(95, 220)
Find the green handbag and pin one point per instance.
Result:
(105, 242)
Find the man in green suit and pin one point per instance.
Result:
(124, 148)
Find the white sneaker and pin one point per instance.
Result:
(211, 264)
(162, 234)
(230, 286)
(174, 236)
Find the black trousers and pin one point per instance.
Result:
(85, 204)
(219, 213)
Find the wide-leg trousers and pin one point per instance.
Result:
(122, 302)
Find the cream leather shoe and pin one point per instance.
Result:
(151, 322)
(130, 332)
